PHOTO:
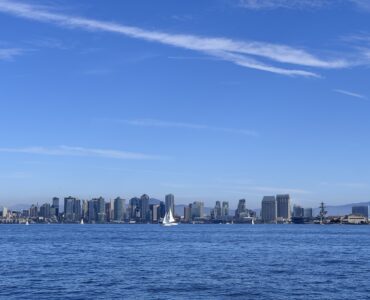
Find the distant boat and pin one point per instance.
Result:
(27, 223)
(82, 221)
(252, 221)
(168, 219)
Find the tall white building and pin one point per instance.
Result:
(269, 209)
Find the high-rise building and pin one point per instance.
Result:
(108, 209)
(225, 209)
(119, 209)
(91, 211)
(77, 210)
(217, 211)
(307, 213)
(283, 207)
(162, 209)
(269, 209)
(240, 211)
(34, 211)
(69, 205)
(55, 205)
(144, 208)
(187, 213)
(45, 211)
(100, 209)
(298, 211)
(197, 210)
(154, 218)
(362, 210)
(170, 203)
(134, 210)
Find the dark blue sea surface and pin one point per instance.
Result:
(184, 262)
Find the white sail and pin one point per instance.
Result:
(168, 219)
(171, 219)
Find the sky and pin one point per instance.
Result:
(208, 100)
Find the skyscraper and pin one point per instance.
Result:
(298, 211)
(283, 207)
(217, 210)
(241, 208)
(134, 209)
(362, 210)
(187, 213)
(69, 206)
(269, 209)
(100, 209)
(197, 210)
(225, 209)
(144, 208)
(119, 209)
(91, 211)
(55, 205)
(170, 203)
(45, 211)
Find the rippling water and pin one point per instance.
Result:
(186, 261)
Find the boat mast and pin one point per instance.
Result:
(323, 212)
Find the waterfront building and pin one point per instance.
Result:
(55, 206)
(225, 209)
(308, 213)
(170, 203)
(240, 211)
(91, 211)
(119, 209)
(100, 210)
(187, 213)
(269, 209)
(298, 211)
(45, 211)
(4, 212)
(162, 209)
(34, 211)
(134, 210)
(217, 211)
(197, 210)
(108, 211)
(362, 210)
(144, 208)
(355, 219)
(69, 209)
(283, 207)
(154, 217)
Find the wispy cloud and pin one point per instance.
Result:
(242, 53)
(80, 151)
(287, 4)
(10, 53)
(159, 123)
(348, 93)
(301, 4)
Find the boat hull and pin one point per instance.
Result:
(169, 224)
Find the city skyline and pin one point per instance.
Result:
(187, 98)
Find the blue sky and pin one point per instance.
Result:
(208, 100)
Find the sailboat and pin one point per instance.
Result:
(252, 221)
(168, 219)
(27, 223)
(82, 221)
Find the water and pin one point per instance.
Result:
(185, 261)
